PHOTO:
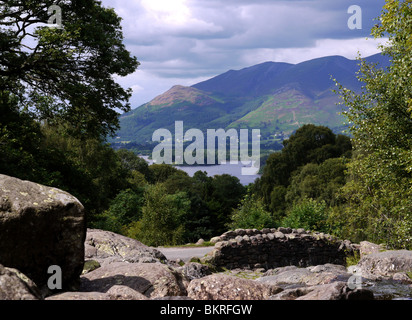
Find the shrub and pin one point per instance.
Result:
(308, 214)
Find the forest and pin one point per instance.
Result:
(56, 112)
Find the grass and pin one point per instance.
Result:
(353, 260)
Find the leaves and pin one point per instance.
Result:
(379, 195)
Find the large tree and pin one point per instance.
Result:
(379, 194)
(65, 74)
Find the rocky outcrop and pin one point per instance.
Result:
(226, 287)
(386, 264)
(271, 248)
(310, 276)
(16, 286)
(322, 282)
(107, 247)
(151, 279)
(40, 227)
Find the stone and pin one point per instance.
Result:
(90, 265)
(310, 276)
(366, 248)
(200, 242)
(284, 247)
(16, 286)
(285, 230)
(118, 292)
(226, 287)
(336, 291)
(215, 240)
(79, 296)
(108, 247)
(194, 270)
(40, 227)
(150, 279)
(386, 264)
(279, 235)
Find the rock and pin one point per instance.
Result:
(16, 286)
(200, 242)
(272, 248)
(225, 287)
(366, 248)
(150, 279)
(90, 265)
(40, 227)
(76, 296)
(386, 264)
(336, 291)
(107, 247)
(118, 292)
(402, 277)
(194, 270)
(310, 276)
(215, 240)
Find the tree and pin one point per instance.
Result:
(251, 214)
(308, 214)
(321, 182)
(163, 217)
(379, 193)
(309, 144)
(124, 209)
(226, 195)
(65, 74)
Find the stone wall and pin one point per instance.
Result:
(272, 248)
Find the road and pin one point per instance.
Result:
(184, 254)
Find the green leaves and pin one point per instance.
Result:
(379, 195)
(74, 67)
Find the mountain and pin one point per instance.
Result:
(275, 97)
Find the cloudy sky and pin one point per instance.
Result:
(188, 41)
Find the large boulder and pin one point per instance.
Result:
(153, 280)
(41, 227)
(107, 247)
(385, 264)
(117, 292)
(16, 286)
(310, 276)
(226, 287)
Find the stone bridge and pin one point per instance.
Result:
(272, 248)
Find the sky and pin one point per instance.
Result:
(183, 42)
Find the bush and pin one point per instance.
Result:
(251, 214)
(308, 214)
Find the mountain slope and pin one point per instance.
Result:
(274, 97)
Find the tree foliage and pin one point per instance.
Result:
(65, 74)
(310, 144)
(379, 193)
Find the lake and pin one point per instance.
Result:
(228, 168)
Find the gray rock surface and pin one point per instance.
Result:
(386, 264)
(107, 247)
(225, 287)
(40, 227)
(16, 286)
(150, 279)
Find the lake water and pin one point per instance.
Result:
(238, 170)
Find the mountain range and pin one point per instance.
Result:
(275, 97)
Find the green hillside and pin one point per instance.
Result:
(276, 98)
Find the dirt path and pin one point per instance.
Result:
(184, 254)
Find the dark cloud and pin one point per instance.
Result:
(193, 39)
